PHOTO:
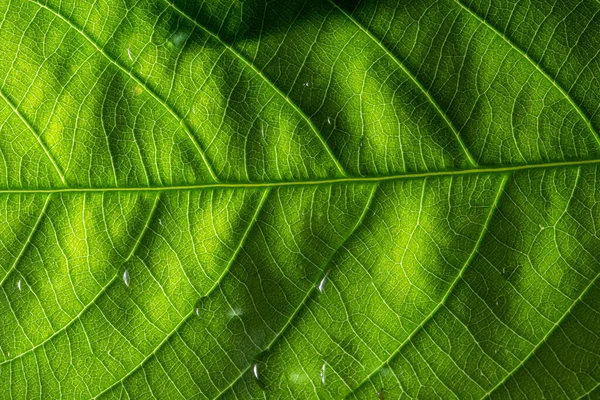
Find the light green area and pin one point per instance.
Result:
(372, 199)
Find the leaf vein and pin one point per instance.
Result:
(448, 293)
(536, 65)
(144, 85)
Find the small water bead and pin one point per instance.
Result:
(329, 120)
(179, 38)
(321, 286)
(503, 270)
(235, 312)
(202, 305)
(129, 54)
(259, 369)
(126, 277)
(19, 285)
(322, 373)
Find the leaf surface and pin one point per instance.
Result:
(308, 199)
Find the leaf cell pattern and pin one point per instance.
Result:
(310, 199)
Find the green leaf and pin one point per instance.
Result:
(300, 199)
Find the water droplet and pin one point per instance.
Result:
(160, 222)
(496, 301)
(361, 143)
(503, 270)
(329, 120)
(262, 131)
(235, 312)
(201, 307)
(321, 286)
(259, 369)
(19, 285)
(129, 54)
(126, 277)
(179, 38)
(322, 374)
(306, 84)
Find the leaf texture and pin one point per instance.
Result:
(307, 199)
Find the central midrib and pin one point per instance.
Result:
(315, 182)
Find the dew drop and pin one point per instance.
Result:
(262, 131)
(235, 312)
(129, 54)
(322, 374)
(201, 306)
(329, 120)
(179, 38)
(255, 371)
(323, 282)
(259, 369)
(19, 285)
(160, 222)
(126, 277)
(496, 301)
(361, 143)
(306, 84)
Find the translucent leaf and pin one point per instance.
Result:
(300, 199)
